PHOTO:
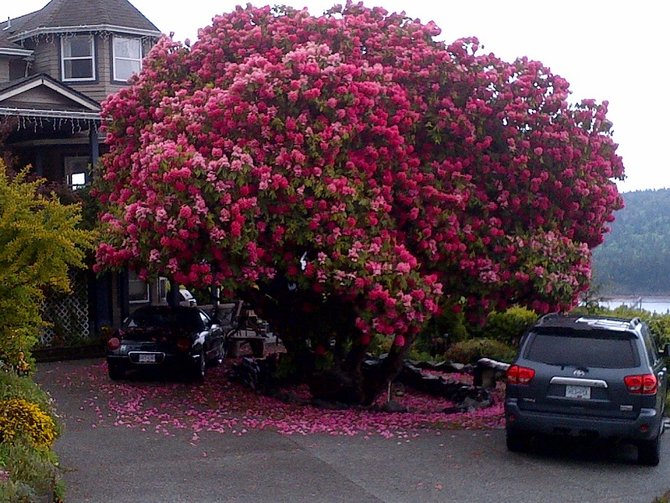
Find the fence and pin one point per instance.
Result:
(67, 314)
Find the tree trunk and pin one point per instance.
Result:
(377, 379)
(352, 383)
(348, 380)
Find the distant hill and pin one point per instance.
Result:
(635, 257)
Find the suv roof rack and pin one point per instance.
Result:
(575, 321)
(548, 317)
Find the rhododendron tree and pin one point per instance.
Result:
(354, 176)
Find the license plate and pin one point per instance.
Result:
(578, 392)
(143, 358)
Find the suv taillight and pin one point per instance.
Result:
(114, 343)
(517, 374)
(646, 384)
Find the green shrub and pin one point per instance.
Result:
(508, 326)
(19, 418)
(659, 324)
(15, 386)
(473, 349)
(423, 356)
(17, 492)
(28, 471)
(380, 345)
(440, 331)
(40, 239)
(31, 471)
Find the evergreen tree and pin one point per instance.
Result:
(40, 240)
(635, 257)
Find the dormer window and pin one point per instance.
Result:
(127, 53)
(78, 58)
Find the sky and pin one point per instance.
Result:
(607, 50)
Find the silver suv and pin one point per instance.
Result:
(592, 376)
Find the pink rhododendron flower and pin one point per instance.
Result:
(403, 180)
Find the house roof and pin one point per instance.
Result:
(9, 48)
(63, 101)
(4, 43)
(42, 79)
(59, 16)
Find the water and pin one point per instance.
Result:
(660, 305)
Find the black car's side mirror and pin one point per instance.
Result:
(665, 350)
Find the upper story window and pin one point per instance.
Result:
(78, 58)
(127, 55)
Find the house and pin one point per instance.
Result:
(56, 66)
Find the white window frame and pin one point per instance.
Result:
(135, 299)
(63, 58)
(163, 287)
(116, 58)
(74, 165)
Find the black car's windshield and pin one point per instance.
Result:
(601, 350)
(184, 319)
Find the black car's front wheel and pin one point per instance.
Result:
(221, 350)
(199, 368)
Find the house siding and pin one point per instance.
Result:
(40, 98)
(47, 58)
(44, 141)
(103, 86)
(4, 70)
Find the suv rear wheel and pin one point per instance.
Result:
(516, 442)
(649, 451)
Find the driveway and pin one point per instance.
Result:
(125, 443)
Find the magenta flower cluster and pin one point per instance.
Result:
(357, 156)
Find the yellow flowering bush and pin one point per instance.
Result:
(22, 418)
(40, 241)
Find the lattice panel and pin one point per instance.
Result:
(68, 314)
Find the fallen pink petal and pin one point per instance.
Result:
(229, 408)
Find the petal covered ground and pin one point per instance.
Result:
(226, 407)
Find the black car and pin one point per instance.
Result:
(589, 376)
(185, 338)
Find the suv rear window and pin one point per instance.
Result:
(602, 350)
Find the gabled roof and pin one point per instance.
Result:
(57, 99)
(60, 16)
